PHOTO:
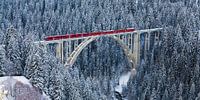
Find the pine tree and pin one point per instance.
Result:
(56, 87)
(180, 92)
(12, 49)
(198, 97)
(36, 67)
(192, 92)
(87, 90)
(6, 66)
(166, 95)
(153, 94)
(2, 61)
(71, 91)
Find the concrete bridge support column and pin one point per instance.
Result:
(157, 38)
(148, 41)
(131, 43)
(146, 48)
(59, 51)
(75, 44)
(124, 39)
(68, 51)
(136, 52)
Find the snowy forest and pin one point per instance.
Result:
(170, 71)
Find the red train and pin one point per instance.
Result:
(79, 35)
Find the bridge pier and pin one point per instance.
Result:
(147, 43)
(59, 51)
(157, 37)
(136, 52)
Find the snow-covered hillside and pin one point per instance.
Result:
(19, 88)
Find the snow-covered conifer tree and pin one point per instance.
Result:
(12, 49)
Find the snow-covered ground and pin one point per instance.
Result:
(123, 80)
(19, 88)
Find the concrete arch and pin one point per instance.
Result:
(73, 56)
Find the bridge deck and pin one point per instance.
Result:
(83, 35)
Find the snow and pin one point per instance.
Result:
(123, 80)
(7, 80)
(3, 79)
(199, 34)
(23, 80)
(118, 89)
(7, 85)
(45, 97)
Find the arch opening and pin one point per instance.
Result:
(74, 55)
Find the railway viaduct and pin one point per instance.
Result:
(69, 46)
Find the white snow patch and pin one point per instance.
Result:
(7, 84)
(23, 80)
(123, 80)
(3, 79)
(118, 88)
(45, 97)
